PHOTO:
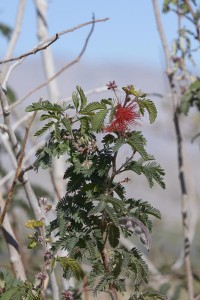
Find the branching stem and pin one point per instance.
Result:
(182, 180)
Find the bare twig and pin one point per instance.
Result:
(6, 114)
(22, 120)
(162, 37)
(14, 144)
(184, 192)
(31, 152)
(8, 147)
(55, 187)
(7, 177)
(13, 246)
(58, 165)
(15, 34)
(51, 40)
(4, 84)
(68, 65)
(17, 173)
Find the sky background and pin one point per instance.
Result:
(130, 36)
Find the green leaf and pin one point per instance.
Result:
(191, 97)
(82, 97)
(32, 244)
(44, 158)
(92, 249)
(153, 294)
(137, 142)
(113, 235)
(34, 224)
(45, 117)
(120, 142)
(107, 101)
(138, 266)
(118, 265)
(166, 6)
(112, 215)
(97, 120)
(57, 131)
(102, 284)
(75, 99)
(66, 122)
(186, 100)
(45, 106)
(9, 294)
(116, 203)
(150, 107)
(97, 209)
(84, 124)
(70, 263)
(92, 107)
(44, 128)
(195, 85)
(153, 171)
(145, 207)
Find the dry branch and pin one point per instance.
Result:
(17, 173)
(51, 40)
(15, 35)
(13, 246)
(184, 192)
(66, 66)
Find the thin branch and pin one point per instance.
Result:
(56, 190)
(162, 37)
(76, 60)
(31, 197)
(22, 120)
(47, 56)
(7, 177)
(13, 246)
(6, 113)
(17, 173)
(15, 34)
(12, 67)
(8, 148)
(26, 159)
(182, 180)
(51, 40)
(58, 165)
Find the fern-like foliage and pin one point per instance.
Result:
(151, 170)
(94, 213)
(68, 263)
(13, 289)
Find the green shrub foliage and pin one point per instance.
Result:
(95, 213)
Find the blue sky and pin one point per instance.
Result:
(129, 36)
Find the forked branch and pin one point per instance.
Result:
(51, 40)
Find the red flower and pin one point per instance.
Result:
(124, 118)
